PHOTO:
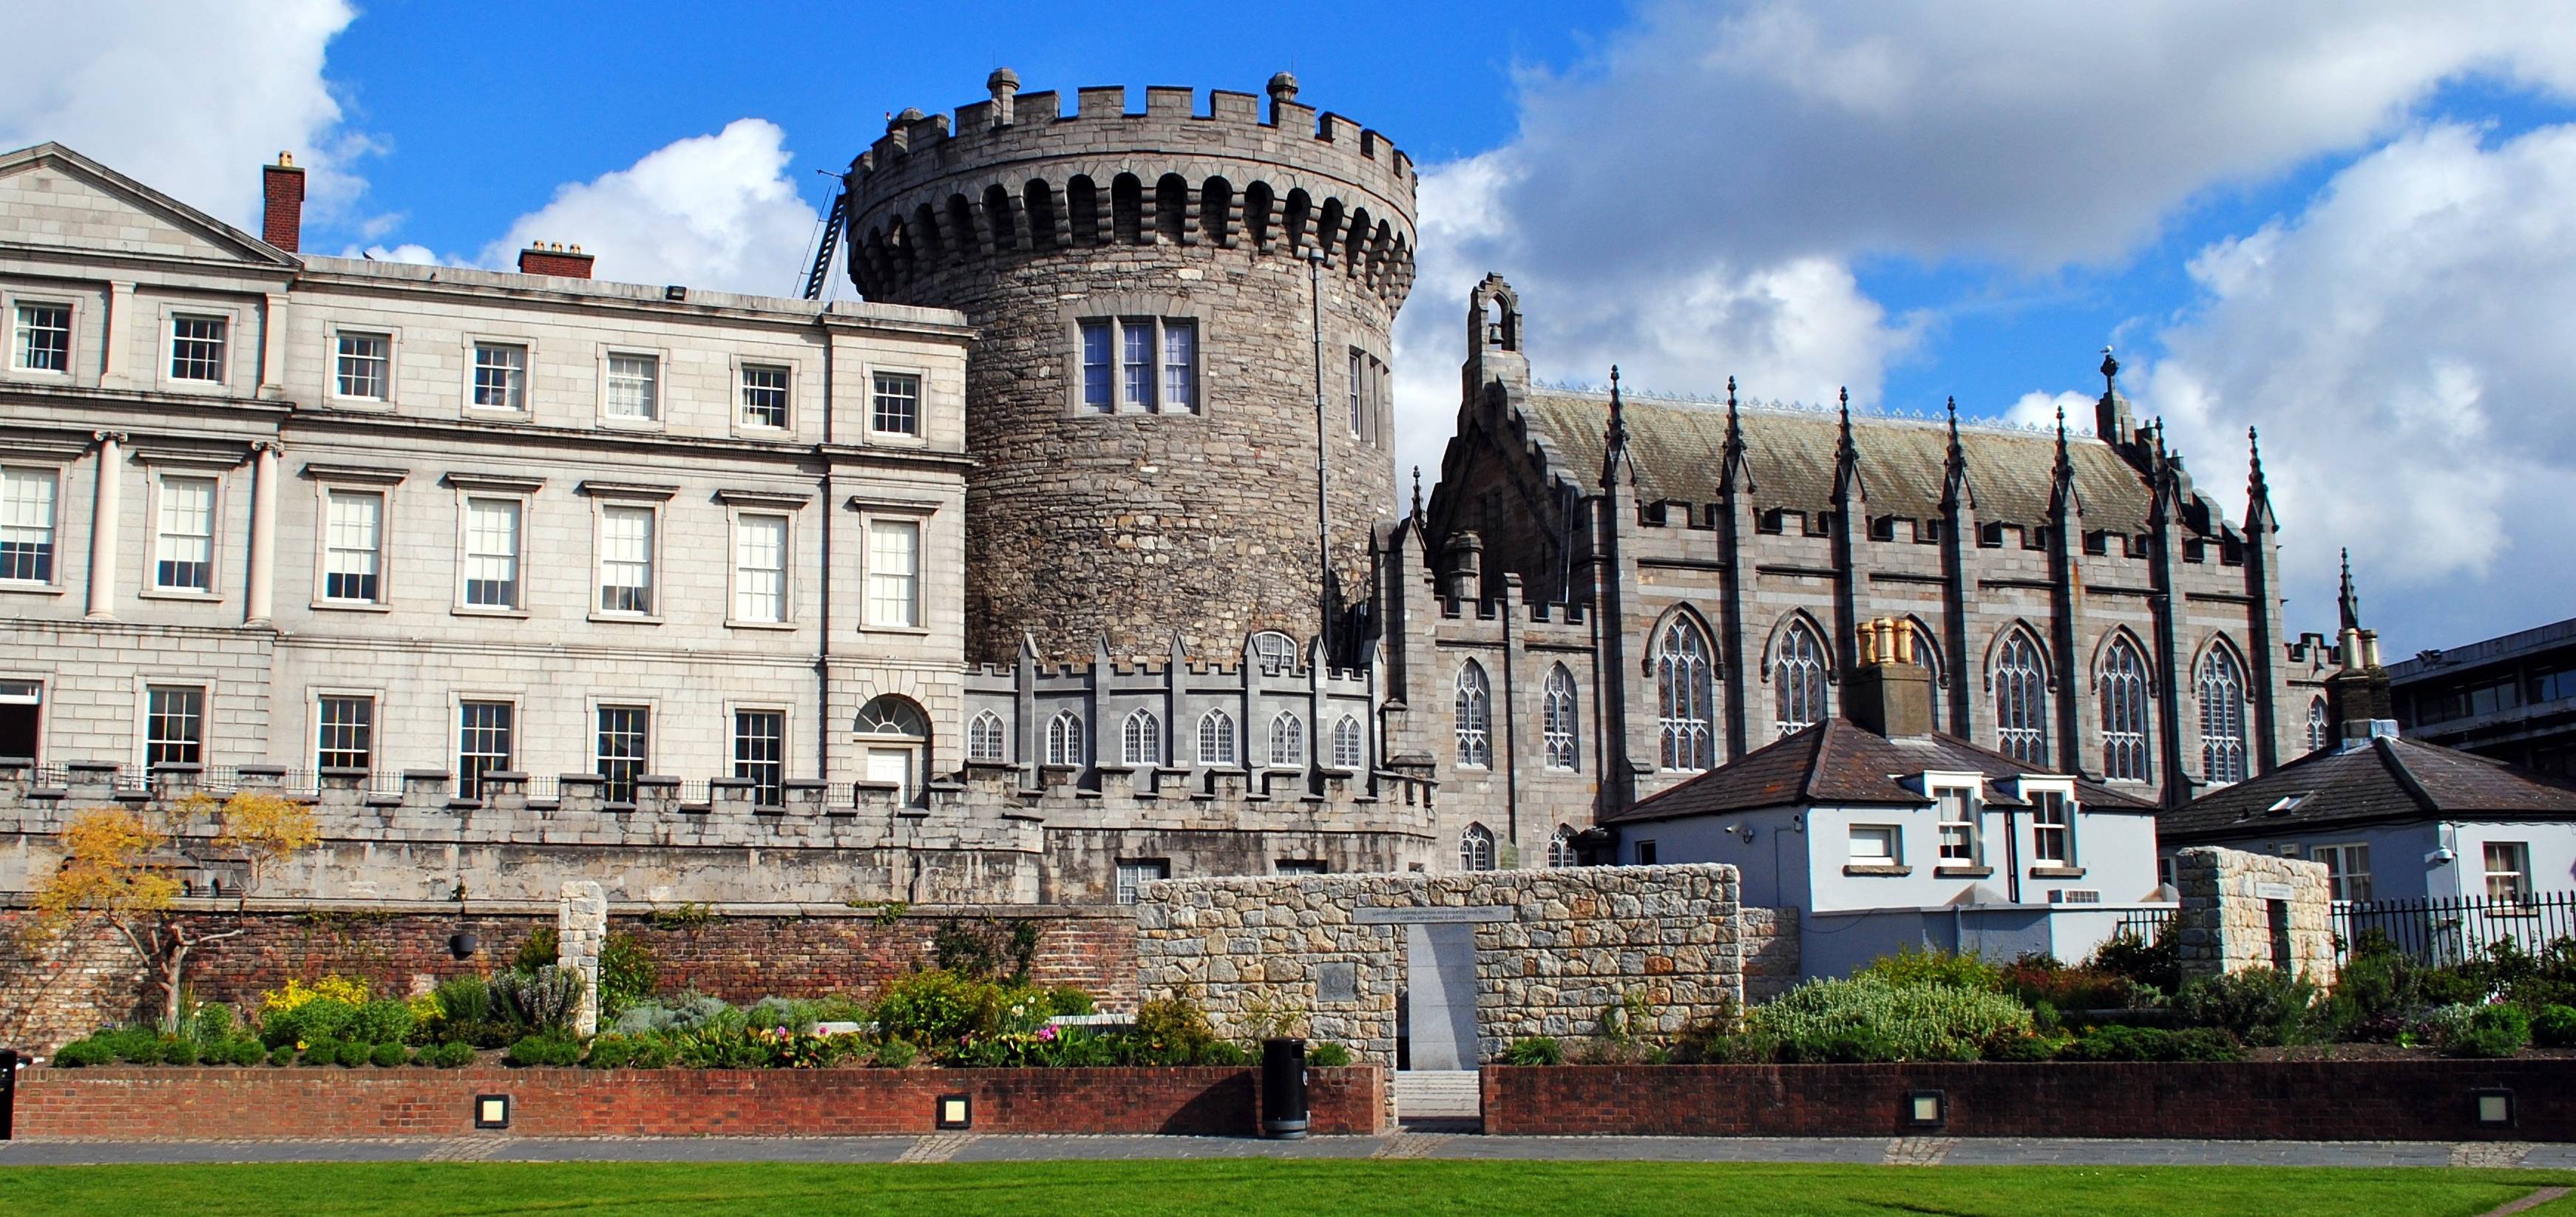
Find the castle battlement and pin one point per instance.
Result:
(1015, 174)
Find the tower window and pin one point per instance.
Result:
(1139, 365)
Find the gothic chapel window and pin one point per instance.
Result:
(2222, 718)
(2125, 756)
(1475, 717)
(2021, 700)
(1798, 679)
(1683, 697)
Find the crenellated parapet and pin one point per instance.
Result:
(1018, 175)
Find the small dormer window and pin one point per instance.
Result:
(2052, 828)
(1958, 812)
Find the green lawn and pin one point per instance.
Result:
(1323, 1188)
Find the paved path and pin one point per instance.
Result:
(1408, 1143)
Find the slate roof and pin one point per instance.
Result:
(1679, 450)
(2390, 779)
(1835, 762)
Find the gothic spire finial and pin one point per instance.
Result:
(1614, 439)
(1417, 493)
(2349, 602)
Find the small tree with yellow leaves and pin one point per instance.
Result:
(117, 866)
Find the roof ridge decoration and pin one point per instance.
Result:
(1866, 413)
(1848, 484)
(1736, 468)
(1956, 491)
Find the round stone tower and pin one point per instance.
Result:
(1141, 399)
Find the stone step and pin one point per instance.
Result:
(1438, 1094)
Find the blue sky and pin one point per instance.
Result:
(2343, 220)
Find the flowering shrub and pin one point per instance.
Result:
(1867, 1018)
(348, 989)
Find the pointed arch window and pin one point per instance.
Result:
(1556, 718)
(2316, 723)
(1064, 739)
(1475, 717)
(1684, 695)
(1350, 749)
(1476, 848)
(2222, 718)
(984, 738)
(1287, 741)
(1929, 657)
(1140, 740)
(1560, 846)
(1216, 738)
(1798, 679)
(2021, 700)
(2125, 754)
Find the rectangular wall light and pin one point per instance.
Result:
(2494, 1108)
(956, 1111)
(491, 1111)
(1926, 1109)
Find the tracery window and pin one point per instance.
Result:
(1798, 679)
(2125, 755)
(2021, 700)
(1475, 717)
(2222, 718)
(1684, 694)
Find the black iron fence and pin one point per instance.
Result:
(2145, 924)
(2450, 929)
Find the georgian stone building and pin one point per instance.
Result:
(1096, 579)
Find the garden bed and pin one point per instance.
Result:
(124, 1104)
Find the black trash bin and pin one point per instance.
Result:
(9, 1093)
(1283, 1089)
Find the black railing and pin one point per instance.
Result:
(2449, 929)
(2145, 924)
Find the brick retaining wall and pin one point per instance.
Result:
(70, 988)
(263, 1103)
(2427, 1100)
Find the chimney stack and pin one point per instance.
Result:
(281, 221)
(1889, 694)
(545, 258)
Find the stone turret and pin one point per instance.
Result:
(1142, 399)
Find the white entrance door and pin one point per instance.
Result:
(891, 765)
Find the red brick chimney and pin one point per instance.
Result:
(281, 220)
(541, 258)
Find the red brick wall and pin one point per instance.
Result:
(70, 989)
(262, 1103)
(282, 206)
(2426, 1100)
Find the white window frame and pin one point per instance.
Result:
(732, 762)
(1477, 849)
(1969, 830)
(652, 731)
(2124, 691)
(735, 514)
(150, 587)
(1347, 731)
(1067, 741)
(1134, 873)
(1294, 755)
(1000, 735)
(1895, 836)
(375, 699)
(44, 697)
(1140, 738)
(920, 525)
(660, 389)
(2038, 796)
(2518, 855)
(742, 367)
(171, 312)
(456, 703)
(1472, 716)
(1156, 321)
(657, 571)
(2338, 857)
(143, 686)
(527, 349)
(1560, 721)
(330, 481)
(53, 581)
(1230, 754)
(920, 432)
(520, 491)
(10, 360)
(332, 341)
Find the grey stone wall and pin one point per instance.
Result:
(1771, 944)
(581, 929)
(2245, 910)
(1553, 948)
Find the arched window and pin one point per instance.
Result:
(1929, 657)
(894, 742)
(2316, 723)
(1798, 679)
(1350, 750)
(1141, 739)
(2021, 700)
(1475, 717)
(1287, 741)
(1556, 718)
(2222, 718)
(1276, 651)
(2125, 755)
(1216, 738)
(984, 738)
(1064, 739)
(1683, 698)
(1476, 848)
(1560, 847)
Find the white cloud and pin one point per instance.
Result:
(2403, 345)
(713, 211)
(191, 98)
(2037, 409)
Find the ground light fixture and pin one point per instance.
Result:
(491, 1111)
(956, 1111)
(1926, 1109)
(2494, 1108)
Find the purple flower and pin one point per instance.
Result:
(1047, 1033)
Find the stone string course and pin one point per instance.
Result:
(2226, 915)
